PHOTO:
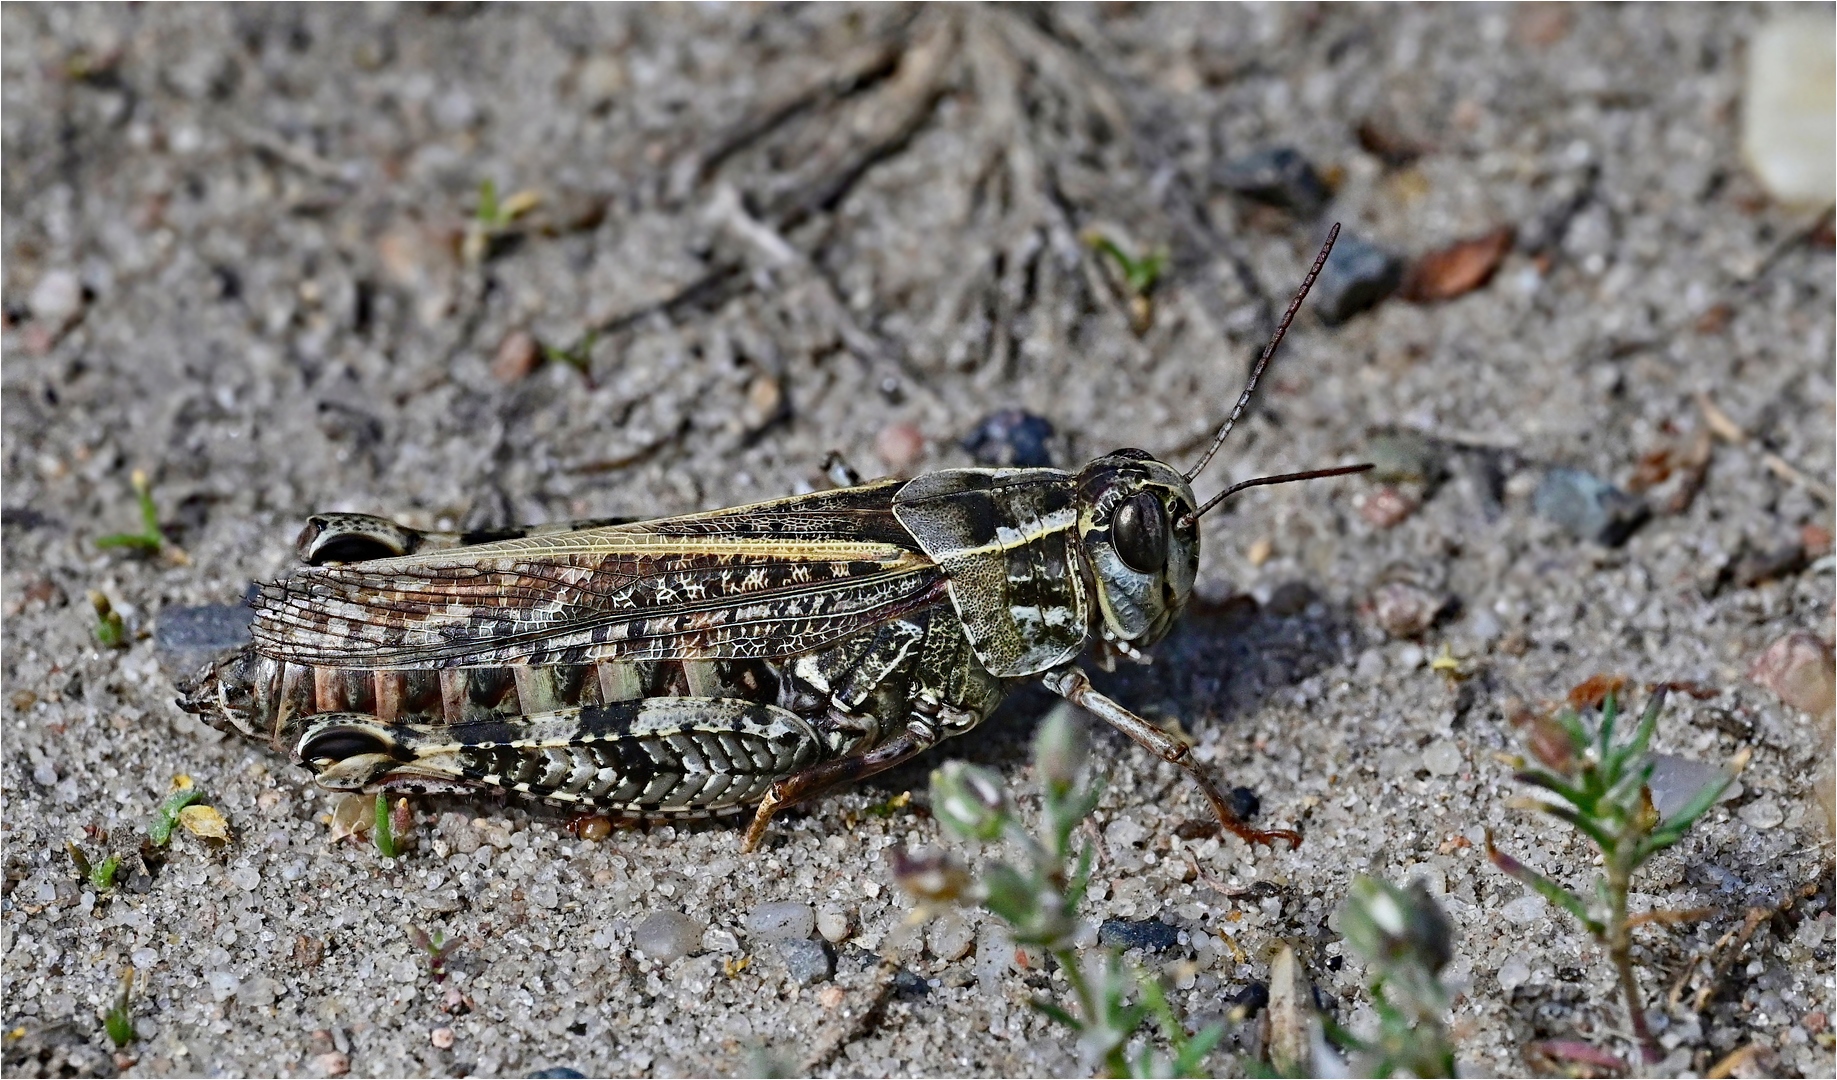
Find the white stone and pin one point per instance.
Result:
(1443, 758)
(1763, 813)
(1525, 909)
(1789, 109)
(57, 298)
(1514, 973)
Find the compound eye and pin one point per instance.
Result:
(337, 744)
(1139, 532)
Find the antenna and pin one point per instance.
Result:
(1256, 373)
(1312, 474)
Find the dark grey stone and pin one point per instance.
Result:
(1358, 275)
(1279, 176)
(187, 638)
(1589, 506)
(1012, 439)
(909, 985)
(807, 962)
(1151, 935)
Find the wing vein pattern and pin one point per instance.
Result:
(772, 579)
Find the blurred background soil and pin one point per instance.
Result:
(249, 252)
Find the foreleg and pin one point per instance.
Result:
(1072, 685)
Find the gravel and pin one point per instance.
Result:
(267, 210)
(781, 921)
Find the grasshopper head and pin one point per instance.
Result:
(1139, 522)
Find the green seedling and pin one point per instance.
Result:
(101, 876)
(109, 629)
(1039, 899)
(166, 818)
(1407, 940)
(1598, 785)
(149, 539)
(118, 1023)
(1140, 275)
(437, 948)
(492, 218)
(578, 356)
(384, 833)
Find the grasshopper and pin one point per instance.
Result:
(688, 666)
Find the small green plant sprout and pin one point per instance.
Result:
(101, 876)
(437, 948)
(393, 825)
(1596, 784)
(578, 356)
(1039, 898)
(1407, 941)
(1140, 275)
(109, 629)
(493, 218)
(149, 539)
(118, 1022)
(166, 816)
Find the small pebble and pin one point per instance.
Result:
(1676, 780)
(667, 936)
(1404, 610)
(1151, 935)
(780, 921)
(1386, 507)
(1279, 176)
(900, 445)
(594, 828)
(187, 638)
(807, 962)
(1524, 910)
(559, 1072)
(600, 79)
(1800, 670)
(1407, 456)
(1260, 550)
(1011, 438)
(1442, 758)
(1251, 999)
(517, 356)
(441, 1037)
(1788, 121)
(1762, 813)
(1358, 275)
(332, 1063)
(1244, 802)
(223, 985)
(909, 985)
(833, 924)
(1514, 973)
(44, 773)
(1588, 506)
(718, 940)
(949, 937)
(57, 298)
(765, 402)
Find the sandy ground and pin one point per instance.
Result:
(237, 257)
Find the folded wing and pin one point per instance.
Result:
(768, 580)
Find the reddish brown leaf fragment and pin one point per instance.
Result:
(1592, 691)
(1459, 268)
